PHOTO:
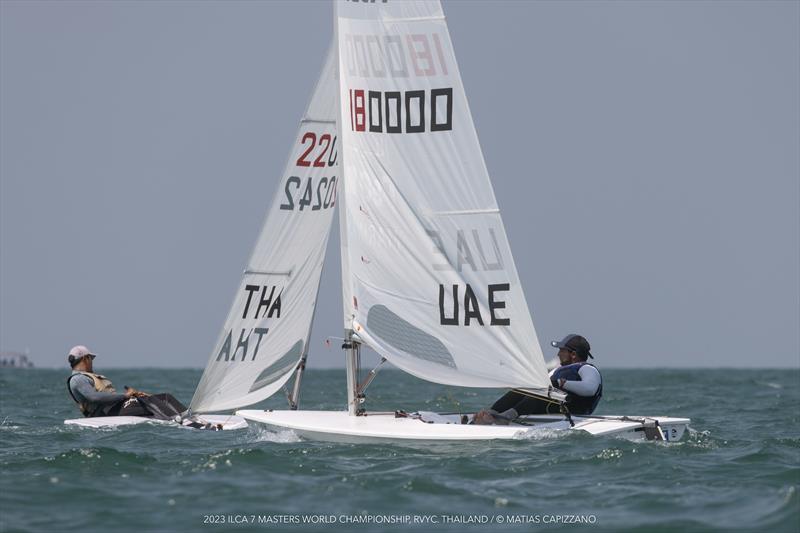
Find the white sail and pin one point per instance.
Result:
(432, 281)
(267, 329)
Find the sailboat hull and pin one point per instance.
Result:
(337, 426)
(228, 422)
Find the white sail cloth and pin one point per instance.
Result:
(429, 279)
(267, 329)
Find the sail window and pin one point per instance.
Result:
(404, 336)
(280, 367)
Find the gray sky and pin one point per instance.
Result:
(645, 157)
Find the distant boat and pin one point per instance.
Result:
(15, 360)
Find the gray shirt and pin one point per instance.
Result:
(83, 390)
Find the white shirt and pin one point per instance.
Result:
(588, 384)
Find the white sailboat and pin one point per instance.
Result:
(264, 340)
(428, 278)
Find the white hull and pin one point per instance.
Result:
(228, 421)
(384, 427)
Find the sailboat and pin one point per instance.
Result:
(428, 277)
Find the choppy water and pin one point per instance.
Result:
(739, 468)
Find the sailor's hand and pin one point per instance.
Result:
(561, 383)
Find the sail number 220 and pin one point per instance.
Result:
(324, 143)
(314, 192)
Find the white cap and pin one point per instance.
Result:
(80, 351)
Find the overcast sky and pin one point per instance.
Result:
(644, 155)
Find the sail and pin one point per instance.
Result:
(267, 329)
(432, 282)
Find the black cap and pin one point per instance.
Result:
(576, 343)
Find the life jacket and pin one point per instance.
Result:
(101, 384)
(577, 405)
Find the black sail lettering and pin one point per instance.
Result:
(442, 319)
(393, 110)
(242, 343)
(264, 301)
(375, 111)
(448, 123)
(471, 309)
(226, 348)
(496, 321)
(419, 96)
(250, 289)
(260, 332)
(276, 307)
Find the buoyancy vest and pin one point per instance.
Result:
(577, 404)
(101, 384)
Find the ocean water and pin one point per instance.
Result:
(737, 469)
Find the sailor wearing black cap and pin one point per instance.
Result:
(578, 378)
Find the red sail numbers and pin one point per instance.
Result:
(376, 57)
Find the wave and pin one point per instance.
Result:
(259, 433)
(543, 433)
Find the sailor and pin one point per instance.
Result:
(96, 396)
(576, 376)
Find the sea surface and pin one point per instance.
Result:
(738, 468)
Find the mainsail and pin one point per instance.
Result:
(267, 329)
(429, 279)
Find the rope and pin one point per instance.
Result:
(543, 398)
(566, 413)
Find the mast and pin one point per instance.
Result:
(294, 397)
(351, 346)
(353, 367)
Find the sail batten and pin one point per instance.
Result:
(466, 212)
(285, 273)
(317, 121)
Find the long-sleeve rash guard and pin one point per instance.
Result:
(588, 384)
(83, 388)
